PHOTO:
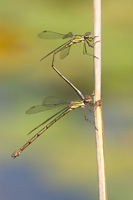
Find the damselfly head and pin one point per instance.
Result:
(88, 35)
(87, 99)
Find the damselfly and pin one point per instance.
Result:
(64, 49)
(49, 103)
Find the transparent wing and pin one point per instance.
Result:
(68, 35)
(64, 52)
(48, 103)
(51, 101)
(48, 120)
(54, 35)
(36, 109)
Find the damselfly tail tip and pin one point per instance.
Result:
(16, 153)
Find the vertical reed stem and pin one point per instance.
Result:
(97, 97)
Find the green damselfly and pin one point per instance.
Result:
(48, 103)
(64, 49)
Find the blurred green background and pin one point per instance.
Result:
(61, 164)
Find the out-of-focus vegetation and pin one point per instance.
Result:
(61, 164)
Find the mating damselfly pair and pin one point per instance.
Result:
(50, 101)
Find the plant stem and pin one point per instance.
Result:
(97, 97)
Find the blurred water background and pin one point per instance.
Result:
(61, 164)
